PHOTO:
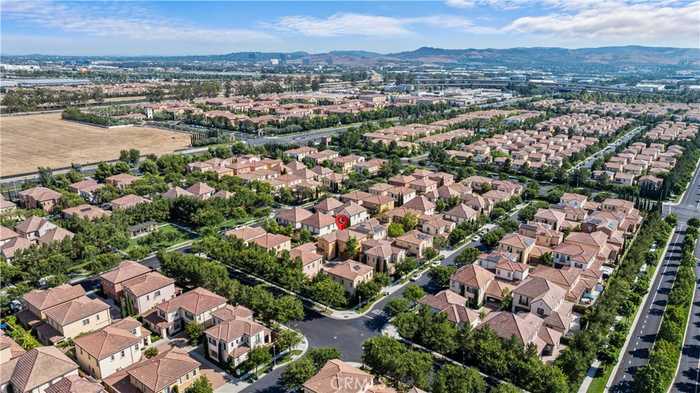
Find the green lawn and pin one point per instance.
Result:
(163, 237)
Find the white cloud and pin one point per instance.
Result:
(342, 24)
(114, 20)
(461, 3)
(351, 24)
(617, 22)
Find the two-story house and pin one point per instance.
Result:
(39, 198)
(113, 280)
(146, 291)
(234, 339)
(196, 305)
(73, 318)
(114, 348)
(415, 242)
(471, 282)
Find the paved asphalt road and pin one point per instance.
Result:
(649, 322)
(588, 162)
(645, 332)
(688, 377)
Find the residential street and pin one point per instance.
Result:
(688, 377)
(644, 336)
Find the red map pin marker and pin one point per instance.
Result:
(342, 221)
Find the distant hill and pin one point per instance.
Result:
(603, 58)
(619, 55)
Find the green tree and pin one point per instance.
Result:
(150, 352)
(286, 339)
(440, 275)
(413, 293)
(200, 385)
(395, 230)
(468, 256)
(258, 357)
(457, 379)
(297, 373)
(194, 332)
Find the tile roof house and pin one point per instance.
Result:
(415, 242)
(246, 234)
(6, 206)
(176, 192)
(327, 379)
(73, 318)
(196, 305)
(319, 224)
(201, 190)
(526, 328)
(350, 274)
(112, 281)
(376, 204)
(167, 371)
(518, 245)
(145, 291)
(311, 261)
(38, 301)
(40, 368)
(328, 206)
(229, 312)
(472, 282)
(34, 227)
(577, 282)
(57, 234)
(39, 198)
(128, 201)
(121, 181)
(232, 340)
(356, 213)
(575, 254)
(453, 305)
(554, 218)
(293, 216)
(12, 246)
(546, 299)
(113, 348)
(10, 351)
(383, 257)
(85, 212)
(421, 204)
(437, 225)
(86, 188)
(75, 384)
(461, 213)
(478, 203)
(274, 242)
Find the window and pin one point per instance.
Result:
(157, 294)
(540, 310)
(123, 353)
(524, 301)
(97, 317)
(86, 321)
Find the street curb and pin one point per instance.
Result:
(687, 187)
(623, 350)
(685, 333)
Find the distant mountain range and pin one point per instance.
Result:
(618, 56)
(605, 57)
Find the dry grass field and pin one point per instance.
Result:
(28, 142)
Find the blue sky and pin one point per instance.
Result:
(203, 27)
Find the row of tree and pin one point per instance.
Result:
(658, 374)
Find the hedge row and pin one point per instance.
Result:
(657, 376)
